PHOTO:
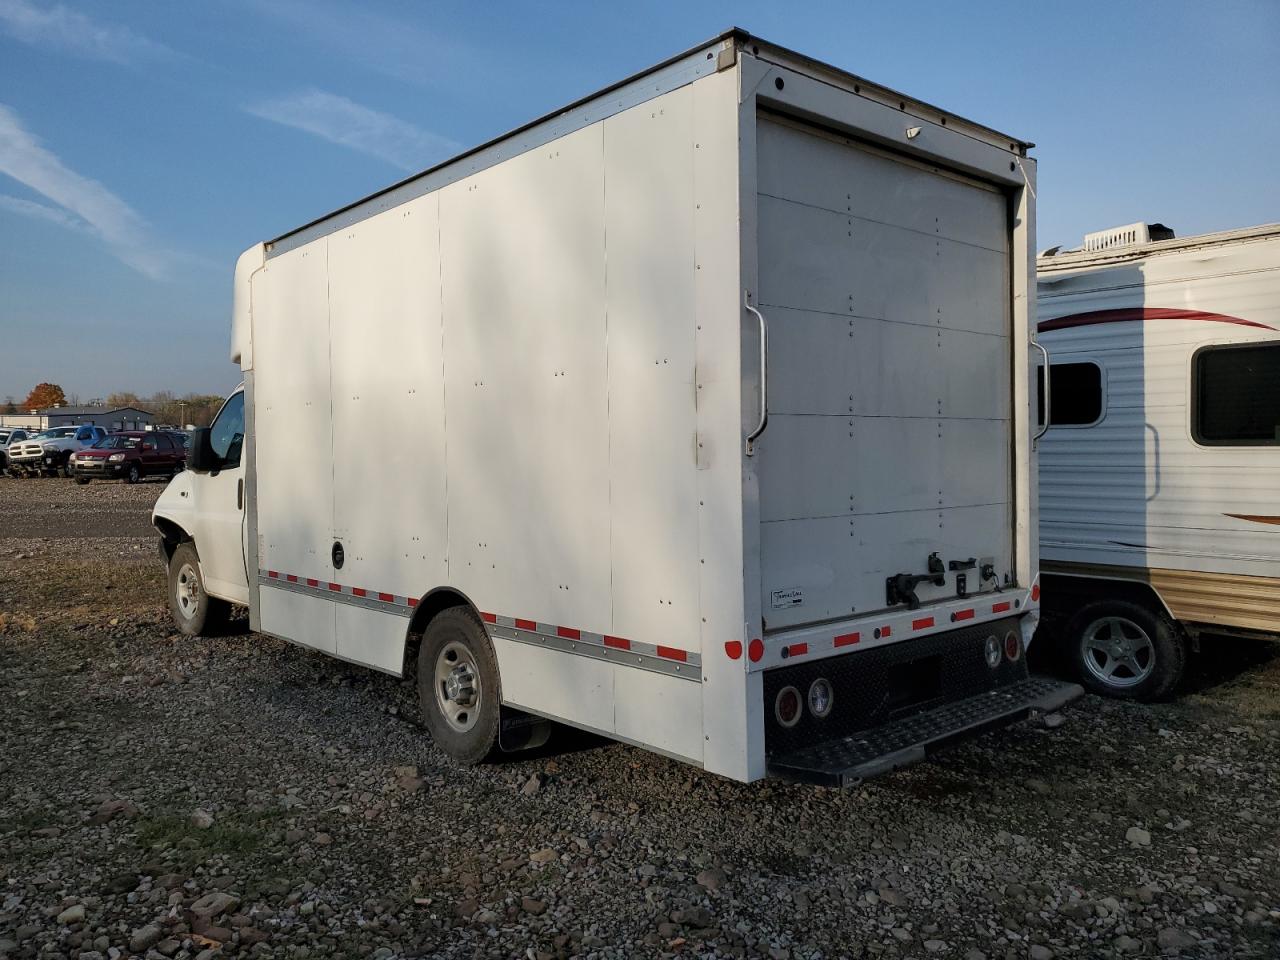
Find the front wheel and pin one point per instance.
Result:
(1126, 650)
(82, 480)
(195, 612)
(458, 686)
(134, 474)
(67, 470)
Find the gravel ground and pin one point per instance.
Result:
(238, 797)
(48, 507)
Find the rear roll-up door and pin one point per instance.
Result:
(886, 284)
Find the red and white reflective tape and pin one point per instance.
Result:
(816, 643)
(310, 585)
(557, 636)
(576, 640)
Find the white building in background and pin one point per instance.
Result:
(112, 418)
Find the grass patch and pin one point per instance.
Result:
(232, 835)
(16, 623)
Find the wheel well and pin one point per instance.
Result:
(432, 603)
(1064, 594)
(170, 535)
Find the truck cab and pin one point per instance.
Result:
(200, 517)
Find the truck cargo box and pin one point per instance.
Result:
(679, 404)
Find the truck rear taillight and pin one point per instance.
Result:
(786, 706)
(1012, 645)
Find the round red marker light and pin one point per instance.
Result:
(1035, 593)
(1012, 645)
(755, 650)
(734, 649)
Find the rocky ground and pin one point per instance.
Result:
(238, 797)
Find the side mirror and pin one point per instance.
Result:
(201, 458)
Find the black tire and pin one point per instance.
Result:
(82, 480)
(134, 473)
(195, 612)
(475, 738)
(67, 470)
(1155, 644)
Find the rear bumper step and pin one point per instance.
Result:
(848, 760)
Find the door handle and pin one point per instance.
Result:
(1044, 427)
(764, 377)
(240, 494)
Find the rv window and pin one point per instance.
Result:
(1075, 395)
(1235, 395)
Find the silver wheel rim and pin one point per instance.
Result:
(457, 685)
(1118, 652)
(187, 591)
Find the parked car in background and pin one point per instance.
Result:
(129, 456)
(9, 435)
(50, 452)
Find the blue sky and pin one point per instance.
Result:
(144, 145)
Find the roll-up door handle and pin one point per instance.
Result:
(764, 376)
(1045, 426)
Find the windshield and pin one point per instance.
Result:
(118, 442)
(55, 434)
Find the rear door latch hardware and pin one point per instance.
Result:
(901, 587)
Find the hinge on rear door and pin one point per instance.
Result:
(901, 587)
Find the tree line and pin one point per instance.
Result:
(167, 407)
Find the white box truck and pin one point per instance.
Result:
(1160, 470)
(696, 414)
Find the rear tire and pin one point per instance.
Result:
(1126, 650)
(458, 686)
(195, 612)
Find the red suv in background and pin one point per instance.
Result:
(130, 455)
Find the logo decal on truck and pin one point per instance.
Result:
(789, 597)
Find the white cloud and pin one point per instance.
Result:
(69, 31)
(87, 204)
(38, 211)
(344, 122)
(358, 33)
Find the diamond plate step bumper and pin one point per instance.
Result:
(848, 760)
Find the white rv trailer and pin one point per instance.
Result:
(1160, 470)
(696, 414)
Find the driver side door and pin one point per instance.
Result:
(219, 507)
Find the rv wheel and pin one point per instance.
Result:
(195, 612)
(458, 685)
(1126, 650)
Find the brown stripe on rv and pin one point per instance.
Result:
(1254, 518)
(1122, 314)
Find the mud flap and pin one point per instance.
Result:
(518, 730)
